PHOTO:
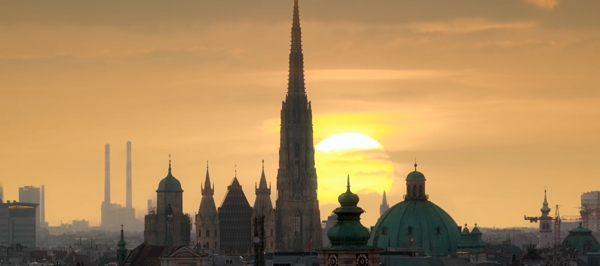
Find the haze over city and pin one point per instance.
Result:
(496, 100)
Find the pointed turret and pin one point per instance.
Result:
(384, 205)
(206, 189)
(122, 250)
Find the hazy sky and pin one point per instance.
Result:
(496, 98)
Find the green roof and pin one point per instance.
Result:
(581, 239)
(415, 176)
(421, 222)
(169, 183)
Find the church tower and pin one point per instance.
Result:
(207, 219)
(546, 236)
(384, 205)
(298, 226)
(264, 207)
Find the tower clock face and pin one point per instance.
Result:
(362, 260)
(333, 260)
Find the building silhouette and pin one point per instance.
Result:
(114, 215)
(168, 226)
(207, 219)
(264, 207)
(31, 194)
(18, 223)
(546, 239)
(298, 226)
(384, 205)
(235, 221)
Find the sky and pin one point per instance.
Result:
(497, 100)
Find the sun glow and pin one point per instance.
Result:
(354, 154)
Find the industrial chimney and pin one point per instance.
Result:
(128, 185)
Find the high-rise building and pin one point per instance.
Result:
(1, 193)
(18, 223)
(168, 226)
(31, 194)
(590, 210)
(264, 207)
(235, 221)
(298, 224)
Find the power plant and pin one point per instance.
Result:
(114, 215)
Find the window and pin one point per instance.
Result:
(207, 233)
(410, 230)
(383, 230)
(271, 233)
(216, 233)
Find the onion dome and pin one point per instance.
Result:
(545, 209)
(169, 183)
(348, 233)
(581, 238)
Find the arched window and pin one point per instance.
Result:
(414, 190)
(207, 245)
(410, 230)
(216, 233)
(207, 233)
(271, 234)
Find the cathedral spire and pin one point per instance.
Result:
(384, 205)
(263, 180)
(206, 189)
(296, 75)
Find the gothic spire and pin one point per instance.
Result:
(296, 75)
(206, 189)
(384, 201)
(263, 180)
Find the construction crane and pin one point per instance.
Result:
(531, 219)
(556, 227)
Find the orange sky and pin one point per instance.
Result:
(496, 99)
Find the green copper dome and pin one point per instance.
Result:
(581, 239)
(169, 183)
(420, 222)
(415, 175)
(348, 233)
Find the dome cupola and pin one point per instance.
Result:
(169, 183)
(415, 186)
(348, 231)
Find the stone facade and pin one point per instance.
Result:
(298, 226)
(264, 206)
(207, 219)
(168, 226)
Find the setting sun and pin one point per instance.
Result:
(354, 154)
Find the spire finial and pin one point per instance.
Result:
(207, 166)
(415, 164)
(348, 184)
(235, 171)
(263, 165)
(169, 163)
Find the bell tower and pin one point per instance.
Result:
(298, 226)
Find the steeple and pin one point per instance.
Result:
(263, 180)
(262, 202)
(122, 250)
(545, 209)
(296, 75)
(297, 207)
(384, 205)
(206, 189)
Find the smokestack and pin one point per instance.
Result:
(107, 173)
(128, 185)
(43, 208)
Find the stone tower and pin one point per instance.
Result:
(235, 221)
(263, 206)
(384, 205)
(298, 226)
(546, 236)
(207, 219)
(168, 226)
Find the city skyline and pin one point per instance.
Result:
(495, 100)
